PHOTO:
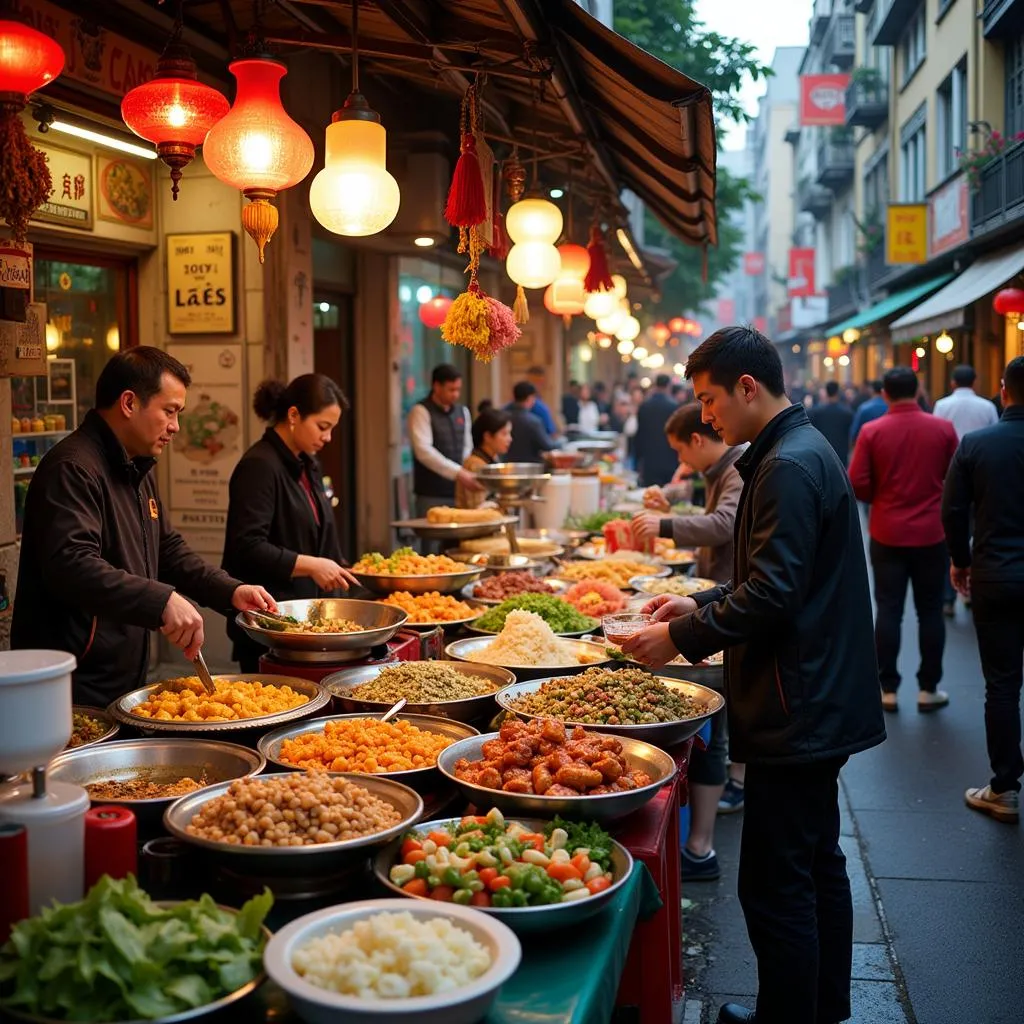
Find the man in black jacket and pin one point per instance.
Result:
(529, 438)
(656, 462)
(100, 564)
(834, 418)
(801, 679)
(987, 473)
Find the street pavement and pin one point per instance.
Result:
(938, 889)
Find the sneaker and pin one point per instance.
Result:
(1001, 806)
(699, 869)
(731, 799)
(889, 702)
(932, 700)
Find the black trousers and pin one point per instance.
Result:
(795, 893)
(999, 621)
(925, 569)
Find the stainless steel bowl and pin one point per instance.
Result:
(522, 920)
(380, 623)
(464, 650)
(556, 587)
(478, 608)
(641, 584)
(494, 563)
(566, 538)
(121, 708)
(277, 861)
(469, 709)
(576, 634)
(605, 807)
(665, 734)
(159, 759)
(443, 583)
(423, 780)
(101, 715)
(514, 479)
(427, 530)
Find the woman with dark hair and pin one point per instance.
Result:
(492, 435)
(281, 530)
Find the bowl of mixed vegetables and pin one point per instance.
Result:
(563, 618)
(531, 874)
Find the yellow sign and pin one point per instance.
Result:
(201, 283)
(906, 233)
(70, 201)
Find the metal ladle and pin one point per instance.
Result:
(389, 714)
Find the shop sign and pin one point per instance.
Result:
(70, 202)
(15, 264)
(801, 273)
(906, 233)
(23, 346)
(948, 223)
(125, 191)
(823, 99)
(808, 311)
(753, 264)
(201, 283)
(93, 55)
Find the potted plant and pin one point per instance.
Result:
(971, 161)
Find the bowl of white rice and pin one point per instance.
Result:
(393, 960)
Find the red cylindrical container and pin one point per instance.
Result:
(110, 843)
(14, 872)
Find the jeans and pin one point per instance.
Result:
(999, 621)
(925, 568)
(795, 892)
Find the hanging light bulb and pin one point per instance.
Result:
(944, 343)
(598, 305)
(639, 353)
(29, 59)
(113, 338)
(174, 109)
(629, 328)
(624, 347)
(354, 194)
(604, 341)
(534, 224)
(610, 324)
(256, 147)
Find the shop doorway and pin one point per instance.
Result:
(333, 355)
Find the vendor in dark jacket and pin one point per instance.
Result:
(281, 529)
(100, 564)
(801, 680)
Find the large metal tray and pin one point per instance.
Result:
(277, 861)
(443, 583)
(469, 709)
(121, 708)
(605, 807)
(556, 587)
(381, 623)
(423, 780)
(522, 920)
(453, 531)
(464, 650)
(665, 734)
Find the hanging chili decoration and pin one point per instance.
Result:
(24, 172)
(599, 276)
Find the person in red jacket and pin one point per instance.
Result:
(899, 466)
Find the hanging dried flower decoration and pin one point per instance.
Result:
(25, 182)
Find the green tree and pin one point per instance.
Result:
(671, 31)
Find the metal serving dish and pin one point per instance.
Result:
(566, 538)
(501, 562)
(606, 807)
(425, 627)
(556, 587)
(571, 636)
(565, 458)
(464, 650)
(101, 715)
(121, 708)
(423, 780)
(514, 479)
(699, 584)
(443, 582)
(427, 530)
(381, 622)
(522, 920)
(286, 861)
(159, 759)
(469, 709)
(666, 734)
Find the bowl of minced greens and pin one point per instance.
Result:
(562, 617)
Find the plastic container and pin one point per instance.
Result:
(585, 495)
(35, 707)
(551, 513)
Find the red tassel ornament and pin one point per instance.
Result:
(599, 277)
(467, 204)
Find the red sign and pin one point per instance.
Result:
(753, 264)
(726, 311)
(823, 99)
(801, 273)
(760, 324)
(948, 222)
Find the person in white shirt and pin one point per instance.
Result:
(440, 432)
(965, 409)
(590, 414)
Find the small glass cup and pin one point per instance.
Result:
(622, 625)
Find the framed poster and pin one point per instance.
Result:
(124, 191)
(74, 181)
(201, 283)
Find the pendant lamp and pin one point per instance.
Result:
(256, 147)
(534, 224)
(354, 194)
(173, 109)
(598, 305)
(433, 312)
(567, 291)
(28, 61)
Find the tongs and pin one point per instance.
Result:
(204, 673)
(273, 621)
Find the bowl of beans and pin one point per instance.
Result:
(279, 825)
(404, 749)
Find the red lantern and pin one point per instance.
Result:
(434, 311)
(174, 110)
(28, 61)
(661, 333)
(677, 325)
(1009, 302)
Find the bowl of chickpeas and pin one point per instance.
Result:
(404, 749)
(306, 823)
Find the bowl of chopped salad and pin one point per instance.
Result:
(532, 875)
(563, 618)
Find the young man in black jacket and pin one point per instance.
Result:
(100, 564)
(987, 473)
(801, 680)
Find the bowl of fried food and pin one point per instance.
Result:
(404, 569)
(432, 609)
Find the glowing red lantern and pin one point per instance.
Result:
(28, 61)
(661, 333)
(567, 291)
(434, 311)
(1009, 302)
(677, 325)
(174, 110)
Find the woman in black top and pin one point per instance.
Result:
(280, 529)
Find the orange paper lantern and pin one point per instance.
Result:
(28, 61)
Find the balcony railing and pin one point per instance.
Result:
(999, 198)
(813, 199)
(840, 46)
(843, 297)
(821, 13)
(867, 103)
(1002, 18)
(835, 164)
(876, 269)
